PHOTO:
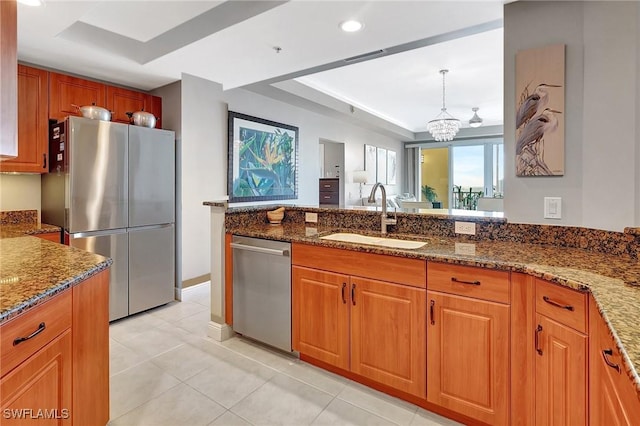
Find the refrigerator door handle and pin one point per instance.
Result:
(97, 233)
(147, 227)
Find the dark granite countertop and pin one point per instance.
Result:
(614, 280)
(26, 228)
(33, 269)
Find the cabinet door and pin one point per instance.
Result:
(39, 389)
(320, 315)
(156, 109)
(468, 356)
(561, 374)
(33, 122)
(613, 399)
(66, 91)
(388, 335)
(120, 101)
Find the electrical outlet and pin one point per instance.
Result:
(552, 208)
(468, 228)
(465, 248)
(311, 217)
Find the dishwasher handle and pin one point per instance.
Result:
(262, 250)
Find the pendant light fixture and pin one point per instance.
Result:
(475, 121)
(444, 127)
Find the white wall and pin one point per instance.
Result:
(20, 192)
(204, 155)
(599, 188)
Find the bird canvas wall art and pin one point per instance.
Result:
(539, 111)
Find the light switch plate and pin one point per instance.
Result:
(552, 208)
(311, 217)
(468, 228)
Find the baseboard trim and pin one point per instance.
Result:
(219, 332)
(197, 280)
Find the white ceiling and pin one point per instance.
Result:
(147, 44)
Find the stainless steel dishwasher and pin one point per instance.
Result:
(262, 290)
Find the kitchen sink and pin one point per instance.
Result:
(374, 241)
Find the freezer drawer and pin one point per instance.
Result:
(97, 175)
(151, 267)
(262, 290)
(116, 246)
(151, 176)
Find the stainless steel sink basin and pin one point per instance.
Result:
(374, 241)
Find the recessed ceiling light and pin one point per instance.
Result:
(351, 26)
(32, 2)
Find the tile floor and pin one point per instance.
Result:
(166, 371)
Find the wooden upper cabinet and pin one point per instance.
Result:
(320, 315)
(613, 398)
(468, 356)
(120, 101)
(66, 91)
(8, 79)
(156, 109)
(388, 338)
(33, 122)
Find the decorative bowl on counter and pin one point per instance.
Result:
(275, 216)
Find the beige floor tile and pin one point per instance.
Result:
(317, 377)
(179, 405)
(229, 419)
(184, 361)
(137, 385)
(258, 352)
(427, 418)
(175, 311)
(196, 324)
(341, 413)
(200, 294)
(134, 326)
(121, 357)
(153, 342)
(282, 401)
(229, 381)
(388, 407)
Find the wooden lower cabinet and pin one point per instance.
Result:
(613, 398)
(468, 356)
(371, 328)
(560, 374)
(60, 375)
(388, 337)
(320, 315)
(39, 390)
(49, 236)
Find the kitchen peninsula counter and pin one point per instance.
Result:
(613, 279)
(33, 270)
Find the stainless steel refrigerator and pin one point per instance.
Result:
(113, 193)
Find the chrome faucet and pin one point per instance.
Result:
(384, 219)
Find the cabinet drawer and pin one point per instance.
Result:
(329, 198)
(566, 306)
(55, 314)
(329, 185)
(479, 283)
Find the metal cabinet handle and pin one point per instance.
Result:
(556, 304)
(538, 331)
(431, 313)
(605, 354)
(353, 294)
(344, 300)
(19, 340)
(44, 161)
(455, 280)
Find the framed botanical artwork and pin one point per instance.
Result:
(263, 159)
(370, 163)
(391, 167)
(382, 166)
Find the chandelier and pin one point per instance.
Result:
(444, 127)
